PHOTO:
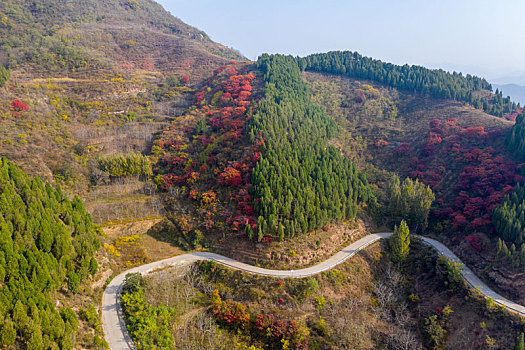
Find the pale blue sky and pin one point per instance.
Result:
(481, 36)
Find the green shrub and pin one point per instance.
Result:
(131, 164)
(4, 76)
(450, 270)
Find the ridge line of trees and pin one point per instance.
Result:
(434, 82)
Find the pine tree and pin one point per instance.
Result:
(281, 232)
(400, 242)
(260, 228)
(520, 343)
(249, 231)
(504, 252)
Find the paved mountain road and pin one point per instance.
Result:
(115, 327)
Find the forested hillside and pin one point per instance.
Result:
(300, 181)
(176, 142)
(46, 244)
(436, 83)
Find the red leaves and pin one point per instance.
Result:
(279, 330)
(475, 241)
(485, 178)
(208, 197)
(230, 177)
(267, 239)
(230, 313)
(244, 95)
(239, 111)
(185, 79)
(474, 132)
(381, 143)
(200, 97)
(18, 106)
(192, 177)
(226, 98)
(194, 194)
(417, 174)
(433, 138)
(215, 153)
(435, 123)
(402, 149)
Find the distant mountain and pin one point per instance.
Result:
(516, 92)
(510, 78)
(494, 75)
(87, 35)
(111, 58)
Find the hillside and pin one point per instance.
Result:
(139, 123)
(82, 36)
(458, 150)
(86, 81)
(47, 246)
(91, 75)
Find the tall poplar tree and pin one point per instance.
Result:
(400, 242)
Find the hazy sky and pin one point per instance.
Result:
(485, 37)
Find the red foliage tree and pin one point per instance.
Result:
(19, 106)
(380, 143)
(231, 177)
(402, 149)
(200, 97)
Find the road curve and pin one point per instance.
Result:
(113, 321)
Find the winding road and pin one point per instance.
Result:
(113, 321)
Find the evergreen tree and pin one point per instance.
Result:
(4, 75)
(409, 201)
(46, 243)
(508, 220)
(249, 231)
(400, 242)
(281, 232)
(520, 343)
(300, 182)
